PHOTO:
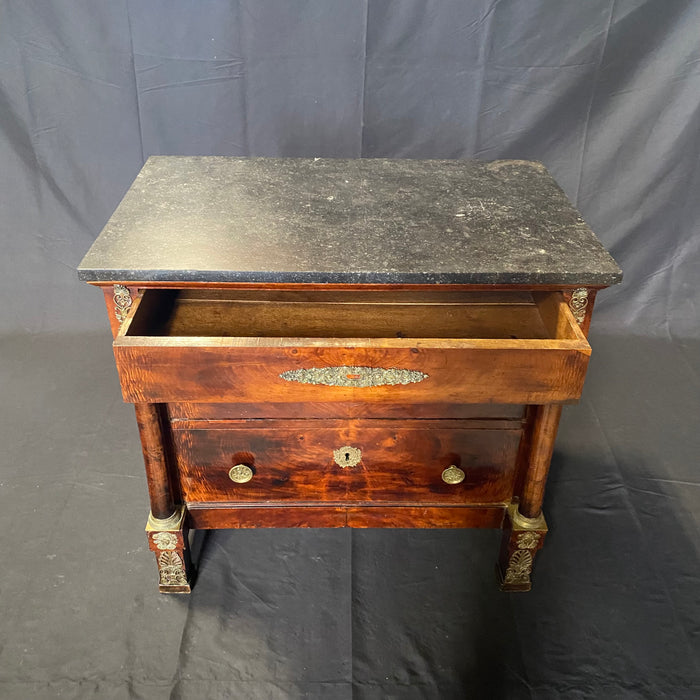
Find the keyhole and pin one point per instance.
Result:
(347, 456)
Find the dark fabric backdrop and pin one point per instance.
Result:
(607, 94)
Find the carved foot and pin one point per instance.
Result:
(522, 537)
(167, 539)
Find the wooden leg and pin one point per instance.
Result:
(168, 540)
(522, 537)
(150, 422)
(167, 534)
(525, 527)
(544, 432)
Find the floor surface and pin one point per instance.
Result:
(340, 614)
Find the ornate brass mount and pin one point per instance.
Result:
(346, 375)
(520, 562)
(526, 539)
(122, 302)
(165, 540)
(168, 538)
(171, 570)
(347, 456)
(578, 304)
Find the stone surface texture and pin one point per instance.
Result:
(223, 219)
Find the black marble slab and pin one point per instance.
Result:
(221, 219)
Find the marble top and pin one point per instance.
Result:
(223, 219)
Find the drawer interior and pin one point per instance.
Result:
(350, 314)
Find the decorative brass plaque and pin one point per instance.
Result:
(354, 376)
(122, 302)
(578, 303)
(347, 456)
(171, 569)
(241, 473)
(165, 540)
(519, 567)
(528, 540)
(453, 475)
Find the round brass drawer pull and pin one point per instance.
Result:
(453, 475)
(241, 473)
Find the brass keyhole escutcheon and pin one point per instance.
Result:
(241, 473)
(453, 475)
(347, 456)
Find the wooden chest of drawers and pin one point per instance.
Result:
(347, 343)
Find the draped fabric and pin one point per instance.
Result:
(606, 93)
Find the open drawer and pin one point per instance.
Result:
(250, 346)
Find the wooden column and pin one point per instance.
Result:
(166, 528)
(525, 528)
(543, 436)
(150, 427)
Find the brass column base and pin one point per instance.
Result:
(522, 538)
(167, 539)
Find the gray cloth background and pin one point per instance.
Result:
(607, 94)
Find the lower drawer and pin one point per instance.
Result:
(347, 462)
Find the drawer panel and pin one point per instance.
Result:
(514, 349)
(387, 462)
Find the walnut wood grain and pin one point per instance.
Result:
(159, 369)
(329, 314)
(586, 325)
(523, 458)
(507, 371)
(232, 515)
(180, 412)
(542, 445)
(480, 423)
(294, 461)
(426, 517)
(350, 319)
(148, 418)
(358, 294)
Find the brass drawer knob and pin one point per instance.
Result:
(453, 475)
(241, 473)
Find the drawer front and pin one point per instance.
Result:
(534, 354)
(530, 375)
(347, 462)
